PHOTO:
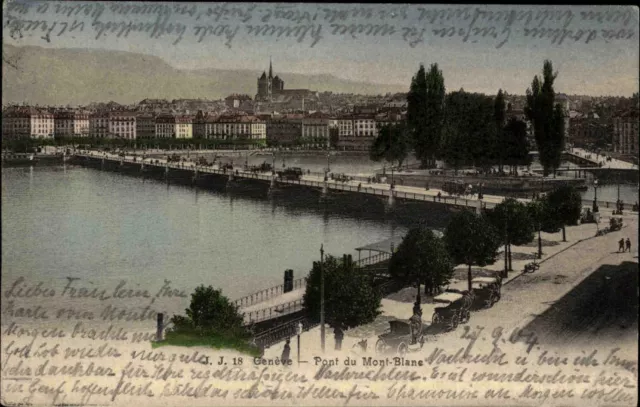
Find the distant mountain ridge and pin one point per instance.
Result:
(45, 76)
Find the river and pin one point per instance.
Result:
(70, 221)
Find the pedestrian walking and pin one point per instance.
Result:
(339, 335)
(621, 245)
(286, 352)
(628, 245)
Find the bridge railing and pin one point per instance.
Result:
(284, 331)
(459, 201)
(377, 258)
(267, 293)
(272, 312)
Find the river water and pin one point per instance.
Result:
(70, 221)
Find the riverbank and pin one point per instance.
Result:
(564, 266)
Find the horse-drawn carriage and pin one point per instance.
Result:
(587, 216)
(454, 187)
(400, 336)
(486, 291)
(457, 308)
(615, 224)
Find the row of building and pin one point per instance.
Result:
(354, 131)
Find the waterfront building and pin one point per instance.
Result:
(284, 130)
(625, 133)
(122, 125)
(71, 123)
(145, 126)
(588, 130)
(99, 124)
(248, 129)
(184, 126)
(165, 126)
(316, 130)
(25, 122)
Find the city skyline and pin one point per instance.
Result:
(597, 68)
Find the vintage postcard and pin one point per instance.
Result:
(316, 204)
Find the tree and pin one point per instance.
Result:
(453, 148)
(565, 206)
(416, 113)
(471, 239)
(515, 147)
(434, 113)
(391, 144)
(425, 113)
(422, 257)
(513, 219)
(547, 119)
(350, 298)
(211, 312)
(471, 117)
(499, 117)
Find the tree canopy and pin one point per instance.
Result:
(391, 144)
(471, 239)
(210, 312)
(350, 298)
(513, 220)
(547, 118)
(565, 206)
(422, 257)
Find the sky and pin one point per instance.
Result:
(599, 67)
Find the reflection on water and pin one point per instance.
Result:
(104, 226)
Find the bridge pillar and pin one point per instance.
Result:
(142, 166)
(392, 198)
(102, 163)
(325, 189)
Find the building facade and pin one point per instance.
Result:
(284, 131)
(122, 125)
(99, 125)
(245, 128)
(71, 124)
(27, 122)
(145, 126)
(165, 126)
(315, 130)
(625, 133)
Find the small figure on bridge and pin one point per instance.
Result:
(439, 195)
(628, 244)
(621, 245)
(359, 186)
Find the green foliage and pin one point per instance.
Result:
(565, 204)
(391, 144)
(213, 340)
(422, 257)
(513, 219)
(453, 148)
(543, 215)
(210, 312)
(471, 240)
(425, 113)
(547, 119)
(350, 298)
(499, 117)
(514, 146)
(470, 131)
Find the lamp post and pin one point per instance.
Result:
(322, 296)
(328, 162)
(595, 196)
(299, 332)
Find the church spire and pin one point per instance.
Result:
(270, 69)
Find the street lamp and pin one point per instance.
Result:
(328, 161)
(595, 195)
(322, 296)
(299, 332)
